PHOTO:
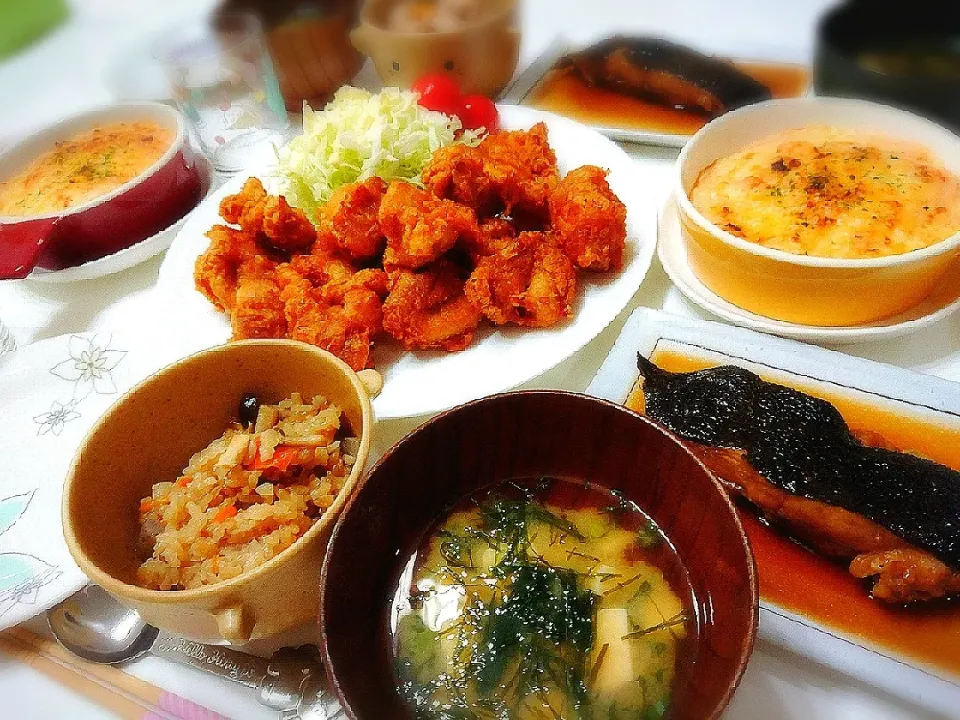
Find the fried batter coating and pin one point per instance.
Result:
(215, 272)
(428, 310)
(420, 227)
(331, 328)
(530, 282)
(259, 310)
(510, 171)
(361, 296)
(459, 173)
(322, 269)
(589, 219)
(523, 168)
(338, 283)
(493, 234)
(329, 305)
(287, 228)
(284, 227)
(349, 219)
(552, 288)
(246, 207)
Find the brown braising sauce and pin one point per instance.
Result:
(821, 589)
(564, 92)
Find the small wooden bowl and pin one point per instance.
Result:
(530, 434)
(150, 434)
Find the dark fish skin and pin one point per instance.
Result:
(668, 74)
(802, 445)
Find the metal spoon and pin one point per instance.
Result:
(96, 627)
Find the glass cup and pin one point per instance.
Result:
(224, 83)
(7, 343)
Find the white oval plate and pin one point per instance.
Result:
(51, 394)
(942, 302)
(500, 359)
(135, 254)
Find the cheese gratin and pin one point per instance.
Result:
(83, 167)
(831, 193)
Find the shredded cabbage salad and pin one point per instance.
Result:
(360, 134)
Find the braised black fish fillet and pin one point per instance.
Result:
(667, 73)
(802, 446)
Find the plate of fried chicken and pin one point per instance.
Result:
(507, 258)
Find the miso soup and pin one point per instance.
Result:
(544, 599)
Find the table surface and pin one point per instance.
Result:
(73, 67)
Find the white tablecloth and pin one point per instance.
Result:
(71, 69)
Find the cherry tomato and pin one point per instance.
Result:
(477, 111)
(438, 92)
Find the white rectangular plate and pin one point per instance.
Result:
(518, 93)
(521, 87)
(920, 396)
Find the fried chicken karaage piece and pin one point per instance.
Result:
(327, 304)
(340, 283)
(523, 168)
(361, 296)
(259, 310)
(284, 227)
(419, 226)
(589, 220)
(530, 282)
(215, 272)
(246, 207)
(459, 173)
(331, 328)
(511, 172)
(428, 310)
(493, 234)
(349, 219)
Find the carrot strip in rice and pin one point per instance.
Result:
(272, 481)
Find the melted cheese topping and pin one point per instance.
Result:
(83, 167)
(831, 193)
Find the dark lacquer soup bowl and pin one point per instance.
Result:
(530, 441)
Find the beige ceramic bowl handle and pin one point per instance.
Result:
(233, 624)
(360, 37)
(372, 382)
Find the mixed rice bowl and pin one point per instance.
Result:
(247, 496)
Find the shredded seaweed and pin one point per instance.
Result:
(678, 619)
(525, 633)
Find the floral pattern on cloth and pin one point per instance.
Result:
(21, 575)
(51, 393)
(89, 368)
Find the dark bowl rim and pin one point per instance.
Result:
(825, 42)
(749, 642)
